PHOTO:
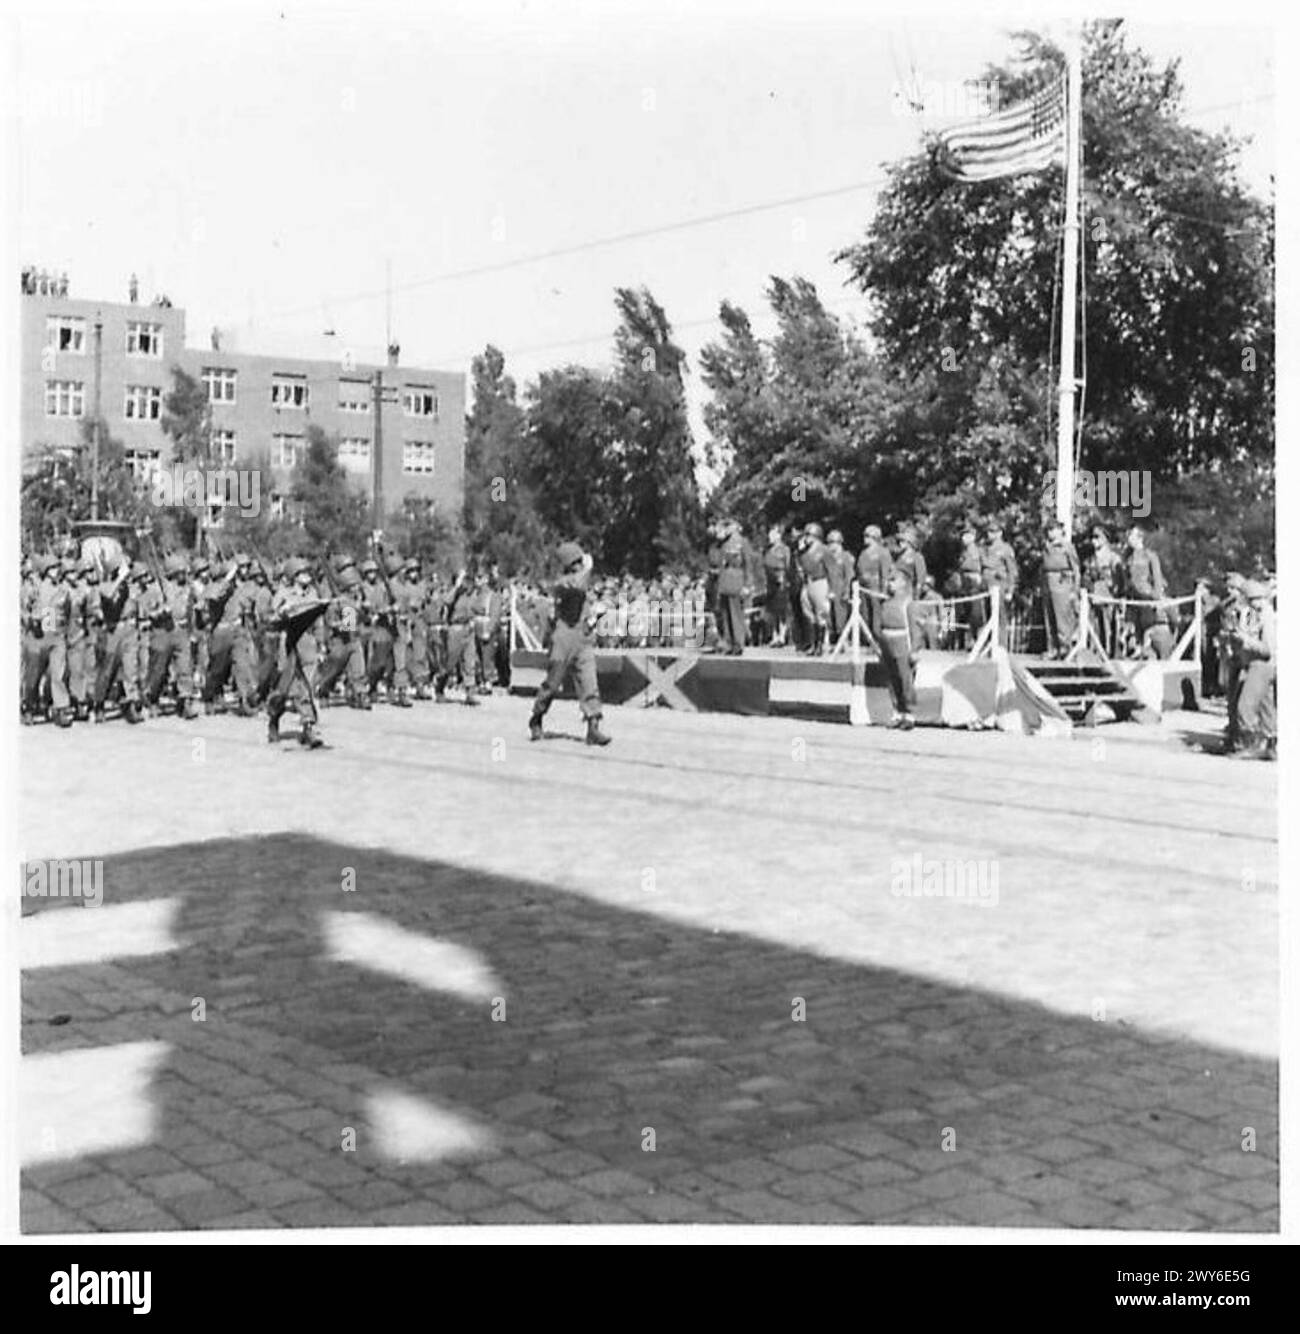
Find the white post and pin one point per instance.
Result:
(1069, 286)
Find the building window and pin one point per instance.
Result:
(143, 464)
(143, 402)
(144, 339)
(65, 333)
(220, 384)
(418, 402)
(223, 446)
(354, 396)
(289, 391)
(417, 456)
(286, 450)
(65, 398)
(354, 453)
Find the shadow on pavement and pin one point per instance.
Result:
(896, 1099)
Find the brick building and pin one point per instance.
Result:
(261, 405)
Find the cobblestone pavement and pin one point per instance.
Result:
(436, 975)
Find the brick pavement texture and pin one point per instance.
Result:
(716, 1009)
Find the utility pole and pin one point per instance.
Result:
(94, 433)
(377, 453)
(1069, 287)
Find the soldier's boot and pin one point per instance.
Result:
(131, 712)
(595, 737)
(63, 717)
(307, 737)
(535, 732)
(188, 710)
(98, 715)
(272, 730)
(470, 697)
(402, 700)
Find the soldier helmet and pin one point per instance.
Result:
(242, 558)
(412, 563)
(175, 564)
(836, 536)
(873, 530)
(1252, 589)
(369, 567)
(394, 564)
(906, 533)
(349, 578)
(345, 563)
(570, 554)
(45, 562)
(202, 565)
(815, 530)
(86, 565)
(293, 567)
(901, 573)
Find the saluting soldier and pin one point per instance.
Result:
(571, 656)
(898, 646)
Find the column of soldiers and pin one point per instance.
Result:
(240, 636)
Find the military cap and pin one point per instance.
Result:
(873, 530)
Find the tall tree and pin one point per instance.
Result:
(333, 511)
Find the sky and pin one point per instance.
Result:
(268, 165)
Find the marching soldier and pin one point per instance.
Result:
(345, 652)
(572, 656)
(1060, 591)
(461, 655)
(171, 626)
(120, 659)
(45, 647)
(232, 611)
(82, 630)
(294, 612)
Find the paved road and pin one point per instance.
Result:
(446, 976)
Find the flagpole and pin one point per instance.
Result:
(1070, 284)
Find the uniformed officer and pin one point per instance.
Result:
(345, 654)
(898, 646)
(910, 558)
(970, 581)
(1001, 576)
(1104, 574)
(232, 612)
(839, 572)
(776, 574)
(1257, 651)
(874, 566)
(571, 655)
(815, 587)
(1060, 569)
(733, 588)
(1144, 580)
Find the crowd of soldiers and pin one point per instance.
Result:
(135, 636)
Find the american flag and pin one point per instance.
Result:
(1029, 136)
